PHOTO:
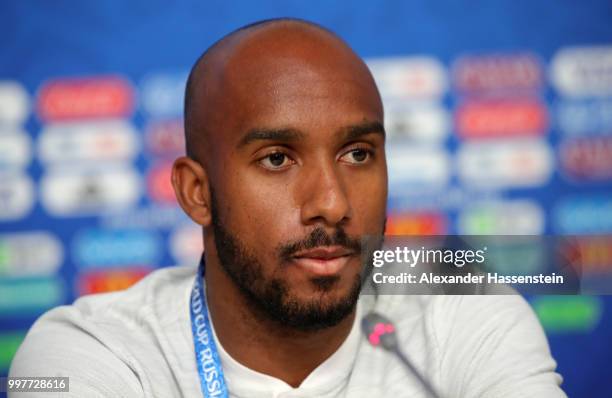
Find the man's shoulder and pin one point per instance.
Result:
(488, 345)
(157, 298)
(153, 295)
(449, 309)
(441, 321)
(111, 332)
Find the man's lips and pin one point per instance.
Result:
(323, 261)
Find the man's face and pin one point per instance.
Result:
(297, 178)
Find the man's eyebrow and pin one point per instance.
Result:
(283, 135)
(354, 132)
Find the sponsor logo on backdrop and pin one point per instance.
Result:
(15, 149)
(505, 163)
(163, 95)
(589, 254)
(16, 195)
(186, 244)
(25, 297)
(159, 183)
(96, 141)
(567, 314)
(92, 282)
(30, 253)
(418, 77)
(77, 192)
(583, 71)
(88, 97)
(417, 223)
(482, 119)
(518, 217)
(14, 103)
(413, 167)
(451, 198)
(422, 122)
(497, 72)
(100, 248)
(165, 138)
(578, 118)
(587, 158)
(524, 255)
(152, 216)
(586, 214)
(9, 342)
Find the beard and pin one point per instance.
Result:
(271, 296)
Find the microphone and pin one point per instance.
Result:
(380, 332)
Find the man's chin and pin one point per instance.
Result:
(325, 303)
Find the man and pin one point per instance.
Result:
(286, 173)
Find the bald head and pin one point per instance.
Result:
(273, 58)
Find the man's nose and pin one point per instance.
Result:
(325, 199)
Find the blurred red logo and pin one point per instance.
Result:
(159, 183)
(588, 254)
(78, 98)
(109, 280)
(587, 158)
(166, 138)
(484, 119)
(498, 72)
(426, 223)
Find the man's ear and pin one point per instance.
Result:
(192, 191)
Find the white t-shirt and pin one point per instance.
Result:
(138, 343)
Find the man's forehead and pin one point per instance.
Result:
(293, 95)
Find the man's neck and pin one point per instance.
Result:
(262, 344)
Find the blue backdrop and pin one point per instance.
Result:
(508, 102)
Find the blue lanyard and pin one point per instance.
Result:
(212, 381)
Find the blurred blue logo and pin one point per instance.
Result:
(427, 168)
(587, 117)
(95, 248)
(584, 215)
(163, 94)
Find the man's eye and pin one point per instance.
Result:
(275, 161)
(356, 156)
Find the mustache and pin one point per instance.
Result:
(319, 237)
